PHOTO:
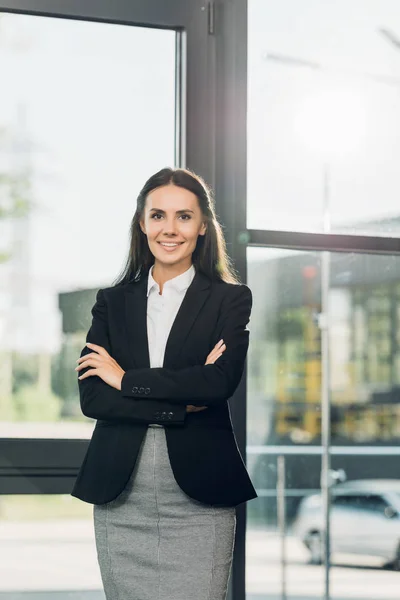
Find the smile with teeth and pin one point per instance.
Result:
(170, 245)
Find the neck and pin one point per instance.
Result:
(162, 273)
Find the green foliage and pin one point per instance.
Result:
(15, 198)
(7, 408)
(290, 324)
(34, 404)
(25, 370)
(64, 378)
(15, 193)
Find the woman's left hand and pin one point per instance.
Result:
(104, 366)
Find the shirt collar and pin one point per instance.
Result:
(180, 283)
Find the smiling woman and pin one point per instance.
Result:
(176, 206)
(165, 352)
(172, 221)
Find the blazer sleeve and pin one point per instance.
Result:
(202, 385)
(101, 401)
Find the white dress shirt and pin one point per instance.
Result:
(162, 310)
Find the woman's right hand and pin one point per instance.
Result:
(215, 353)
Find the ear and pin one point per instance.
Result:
(142, 227)
(203, 228)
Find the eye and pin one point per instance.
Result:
(185, 217)
(154, 215)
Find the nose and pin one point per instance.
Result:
(170, 227)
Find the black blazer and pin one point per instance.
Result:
(202, 448)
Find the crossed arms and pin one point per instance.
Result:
(147, 392)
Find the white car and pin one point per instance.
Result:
(365, 520)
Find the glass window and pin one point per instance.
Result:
(83, 123)
(323, 115)
(284, 387)
(47, 546)
(284, 367)
(367, 502)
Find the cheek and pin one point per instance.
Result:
(193, 234)
(152, 228)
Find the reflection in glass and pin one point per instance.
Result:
(323, 115)
(284, 415)
(365, 521)
(285, 355)
(82, 123)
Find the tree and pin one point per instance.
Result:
(15, 203)
(14, 200)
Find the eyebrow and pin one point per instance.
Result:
(178, 212)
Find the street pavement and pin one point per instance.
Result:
(56, 560)
(351, 578)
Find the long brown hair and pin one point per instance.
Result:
(210, 255)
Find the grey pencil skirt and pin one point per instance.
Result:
(156, 543)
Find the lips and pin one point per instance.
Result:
(170, 246)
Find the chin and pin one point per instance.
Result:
(172, 260)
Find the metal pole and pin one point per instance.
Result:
(280, 496)
(325, 390)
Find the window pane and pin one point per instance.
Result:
(323, 117)
(284, 417)
(47, 545)
(285, 356)
(86, 116)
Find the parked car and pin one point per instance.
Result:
(365, 520)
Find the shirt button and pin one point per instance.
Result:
(134, 390)
(147, 391)
(141, 390)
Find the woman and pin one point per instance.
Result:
(165, 352)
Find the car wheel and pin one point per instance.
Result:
(314, 545)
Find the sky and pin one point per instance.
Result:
(337, 119)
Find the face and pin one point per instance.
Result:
(172, 222)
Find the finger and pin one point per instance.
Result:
(97, 348)
(218, 347)
(217, 357)
(92, 362)
(86, 356)
(88, 374)
(216, 353)
(93, 359)
(218, 344)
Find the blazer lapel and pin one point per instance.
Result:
(136, 319)
(196, 295)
